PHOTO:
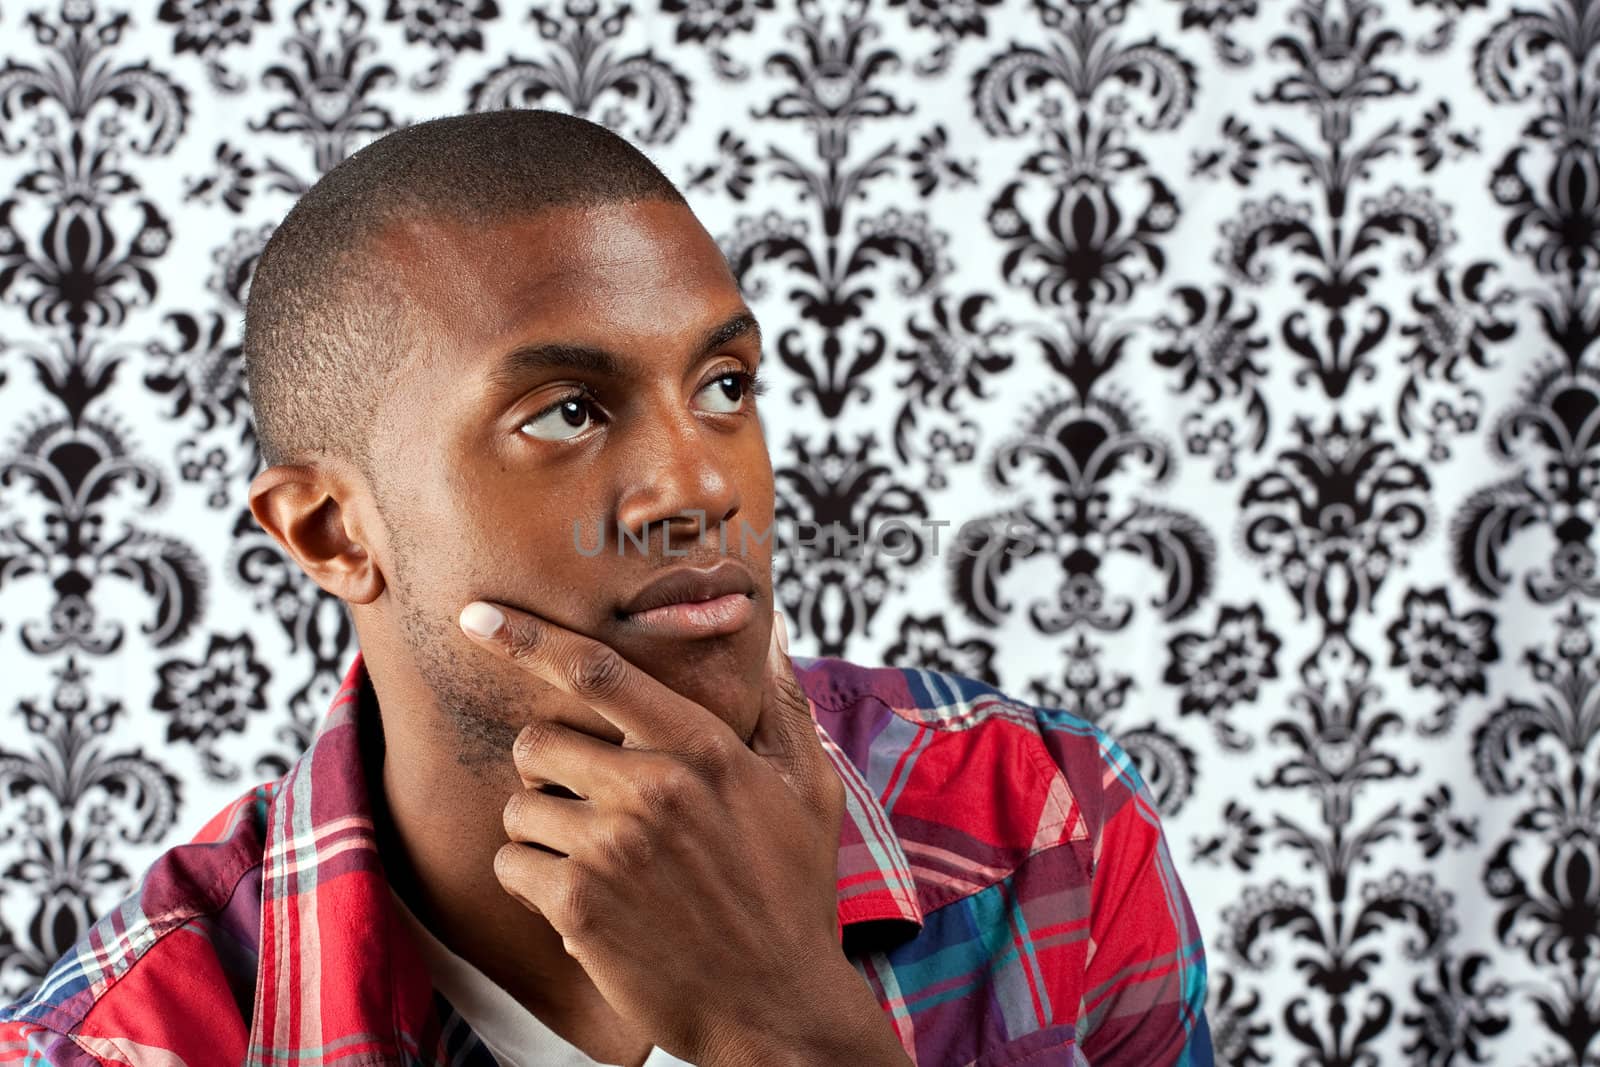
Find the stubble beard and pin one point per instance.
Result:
(471, 703)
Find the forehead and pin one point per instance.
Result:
(646, 271)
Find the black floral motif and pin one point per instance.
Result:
(832, 589)
(1218, 671)
(80, 800)
(1555, 917)
(713, 20)
(212, 696)
(925, 645)
(447, 25)
(1546, 873)
(1052, 257)
(1239, 153)
(836, 262)
(1340, 509)
(836, 81)
(1454, 332)
(1239, 843)
(201, 372)
(583, 70)
(1459, 322)
(951, 18)
(205, 26)
(933, 166)
(1553, 419)
(1214, 13)
(228, 183)
(330, 87)
(734, 167)
(1339, 53)
(1084, 688)
(1437, 141)
(954, 353)
(1080, 448)
(950, 358)
(78, 245)
(1456, 1016)
(1236, 1034)
(1215, 345)
(1344, 741)
(72, 476)
(1437, 826)
(1444, 651)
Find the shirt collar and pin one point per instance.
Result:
(331, 942)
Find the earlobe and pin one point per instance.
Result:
(301, 507)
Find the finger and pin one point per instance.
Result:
(534, 818)
(549, 753)
(533, 877)
(786, 733)
(649, 714)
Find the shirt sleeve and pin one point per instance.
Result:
(1144, 983)
(31, 1045)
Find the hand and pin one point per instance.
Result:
(693, 878)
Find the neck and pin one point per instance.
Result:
(438, 826)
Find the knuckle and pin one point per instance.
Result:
(790, 691)
(575, 903)
(832, 787)
(598, 672)
(668, 790)
(627, 844)
(521, 641)
(833, 795)
(718, 752)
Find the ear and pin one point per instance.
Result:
(309, 512)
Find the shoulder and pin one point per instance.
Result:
(970, 739)
(188, 932)
(1021, 824)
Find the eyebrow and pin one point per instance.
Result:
(526, 360)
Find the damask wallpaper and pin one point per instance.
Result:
(1271, 322)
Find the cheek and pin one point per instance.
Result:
(529, 561)
(759, 514)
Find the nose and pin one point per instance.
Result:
(680, 483)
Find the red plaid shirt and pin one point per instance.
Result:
(1004, 888)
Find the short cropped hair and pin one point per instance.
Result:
(324, 324)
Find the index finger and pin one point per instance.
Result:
(649, 714)
(786, 735)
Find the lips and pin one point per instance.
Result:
(688, 585)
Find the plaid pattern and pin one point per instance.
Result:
(1004, 889)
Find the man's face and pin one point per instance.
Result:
(493, 471)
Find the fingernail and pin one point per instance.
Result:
(783, 631)
(481, 619)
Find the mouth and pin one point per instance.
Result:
(687, 603)
(704, 618)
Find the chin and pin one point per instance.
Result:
(722, 675)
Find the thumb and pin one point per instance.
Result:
(785, 734)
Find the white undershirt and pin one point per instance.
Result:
(515, 1035)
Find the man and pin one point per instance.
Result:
(577, 806)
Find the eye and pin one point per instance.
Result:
(562, 420)
(730, 388)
